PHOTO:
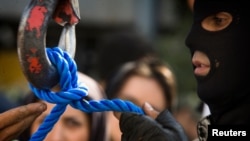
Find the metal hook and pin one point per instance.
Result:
(31, 38)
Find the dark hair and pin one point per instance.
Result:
(118, 48)
(149, 68)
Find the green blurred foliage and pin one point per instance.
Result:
(172, 49)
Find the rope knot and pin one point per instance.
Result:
(71, 89)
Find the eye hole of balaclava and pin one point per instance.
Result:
(217, 21)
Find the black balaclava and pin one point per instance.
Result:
(226, 89)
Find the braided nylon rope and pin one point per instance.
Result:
(72, 93)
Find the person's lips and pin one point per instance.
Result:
(201, 69)
(201, 64)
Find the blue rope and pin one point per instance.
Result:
(72, 93)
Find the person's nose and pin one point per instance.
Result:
(56, 134)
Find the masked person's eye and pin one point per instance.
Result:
(217, 22)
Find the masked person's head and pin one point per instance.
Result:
(219, 45)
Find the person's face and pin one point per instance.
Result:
(211, 23)
(73, 125)
(113, 128)
(140, 89)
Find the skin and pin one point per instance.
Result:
(147, 108)
(73, 125)
(201, 63)
(217, 22)
(190, 4)
(15, 121)
(139, 90)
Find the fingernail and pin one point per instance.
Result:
(42, 107)
(148, 106)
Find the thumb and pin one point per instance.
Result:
(150, 111)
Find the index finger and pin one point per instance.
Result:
(13, 116)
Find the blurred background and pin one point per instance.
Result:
(165, 23)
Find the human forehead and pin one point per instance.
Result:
(142, 89)
(70, 111)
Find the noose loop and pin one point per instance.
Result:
(73, 93)
(45, 67)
